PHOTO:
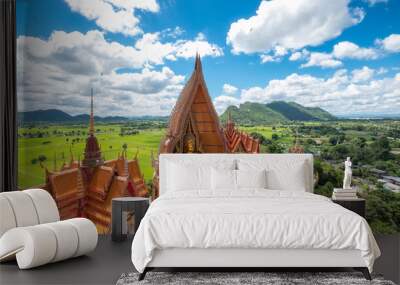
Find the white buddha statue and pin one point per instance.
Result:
(347, 174)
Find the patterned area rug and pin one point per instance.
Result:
(230, 278)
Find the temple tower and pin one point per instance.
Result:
(92, 156)
(194, 123)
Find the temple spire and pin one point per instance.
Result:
(197, 64)
(93, 156)
(91, 126)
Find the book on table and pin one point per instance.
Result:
(344, 194)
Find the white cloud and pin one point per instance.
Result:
(298, 55)
(173, 33)
(59, 72)
(268, 58)
(145, 82)
(374, 2)
(222, 102)
(116, 16)
(348, 49)
(280, 51)
(342, 50)
(229, 89)
(338, 94)
(292, 25)
(390, 43)
(382, 70)
(187, 49)
(363, 74)
(324, 60)
(276, 56)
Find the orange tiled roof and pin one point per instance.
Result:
(184, 113)
(101, 180)
(237, 141)
(100, 211)
(66, 190)
(88, 192)
(118, 164)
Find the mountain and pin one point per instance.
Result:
(253, 113)
(51, 115)
(275, 112)
(86, 117)
(296, 112)
(57, 116)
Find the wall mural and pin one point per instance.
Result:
(105, 86)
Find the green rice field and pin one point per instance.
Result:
(56, 143)
(59, 142)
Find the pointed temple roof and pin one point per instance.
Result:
(194, 126)
(194, 111)
(92, 149)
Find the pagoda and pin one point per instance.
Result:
(194, 126)
(86, 189)
(92, 150)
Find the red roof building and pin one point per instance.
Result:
(194, 126)
(85, 189)
(237, 141)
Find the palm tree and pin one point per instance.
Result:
(124, 147)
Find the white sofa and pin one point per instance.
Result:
(31, 230)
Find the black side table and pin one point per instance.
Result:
(137, 205)
(356, 205)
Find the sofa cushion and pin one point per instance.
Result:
(45, 205)
(7, 220)
(23, 208)
(41, 244)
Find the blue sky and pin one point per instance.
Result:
(340, 55)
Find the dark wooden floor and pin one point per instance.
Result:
(110, 260)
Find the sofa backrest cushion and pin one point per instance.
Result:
(26, 208)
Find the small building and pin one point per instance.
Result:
(392, 187)
(377, 172)
(392, 179)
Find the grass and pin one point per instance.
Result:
(58, 142)
(284, 133)
(57, 148)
